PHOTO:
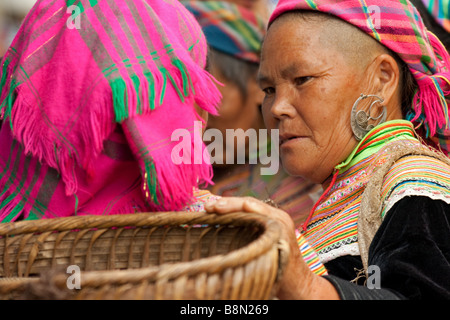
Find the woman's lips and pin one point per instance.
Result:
(286, 140)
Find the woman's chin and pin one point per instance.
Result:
(309, 173)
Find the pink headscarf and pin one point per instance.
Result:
(76, 74)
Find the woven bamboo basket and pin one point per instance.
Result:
(168, 255)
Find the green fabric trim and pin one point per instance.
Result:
(17, 209)
(7, 200)
(391, 135)
(76, 204)
(119, 92)
(8, 163)
(194, 44)
(32, 216)
(151, 89)
(152, 180)
(184, 74)
(4, 73)
(8, 103)
(164, 84)
(180, 95)
(20, 185)
(79, 5)
(136, 85)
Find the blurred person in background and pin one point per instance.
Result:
(234, 35)
(262, 8)
(436, 17)
(12, 13)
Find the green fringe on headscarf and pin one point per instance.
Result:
(121, 95)
(8, 103)
(152, 180)
(120, 98)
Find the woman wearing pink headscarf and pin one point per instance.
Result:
(358, 91)
(90, 95)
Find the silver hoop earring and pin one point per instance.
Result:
(360, 119)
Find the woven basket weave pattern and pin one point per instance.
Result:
(169, 255)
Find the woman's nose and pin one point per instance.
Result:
(282, 104)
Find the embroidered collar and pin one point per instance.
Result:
(370, 144)
(376, 139)
(332, 228)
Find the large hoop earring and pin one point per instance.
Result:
(360, 119)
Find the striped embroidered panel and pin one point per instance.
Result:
(310, 256)
(416, 176)
(333, 230)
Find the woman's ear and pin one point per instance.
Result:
(386, 77)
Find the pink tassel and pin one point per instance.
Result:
(427, 101)
(431, 102)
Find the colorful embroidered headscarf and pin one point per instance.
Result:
(78, 69)
(229, 28)
(440, 11)
(398, 26)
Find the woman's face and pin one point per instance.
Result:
(236, 112)
(309, 90)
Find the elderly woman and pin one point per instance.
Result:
(90, 97)
(357, 94)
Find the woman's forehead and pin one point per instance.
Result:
(284, 34)
(310, 38)
(293, 31)
(293, 42)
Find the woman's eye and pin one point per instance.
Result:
(269, 90)
(302, 80)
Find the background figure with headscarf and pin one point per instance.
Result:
(262, 8)
(91, 95)
(436, 17)
(359, 92)
(11, 15)
(234, 35)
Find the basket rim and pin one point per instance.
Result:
(166, 271)
(136, 219)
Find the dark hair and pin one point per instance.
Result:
(407, 84)
(235, 70)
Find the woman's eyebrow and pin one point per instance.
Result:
(290, 71)
(261, 78)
